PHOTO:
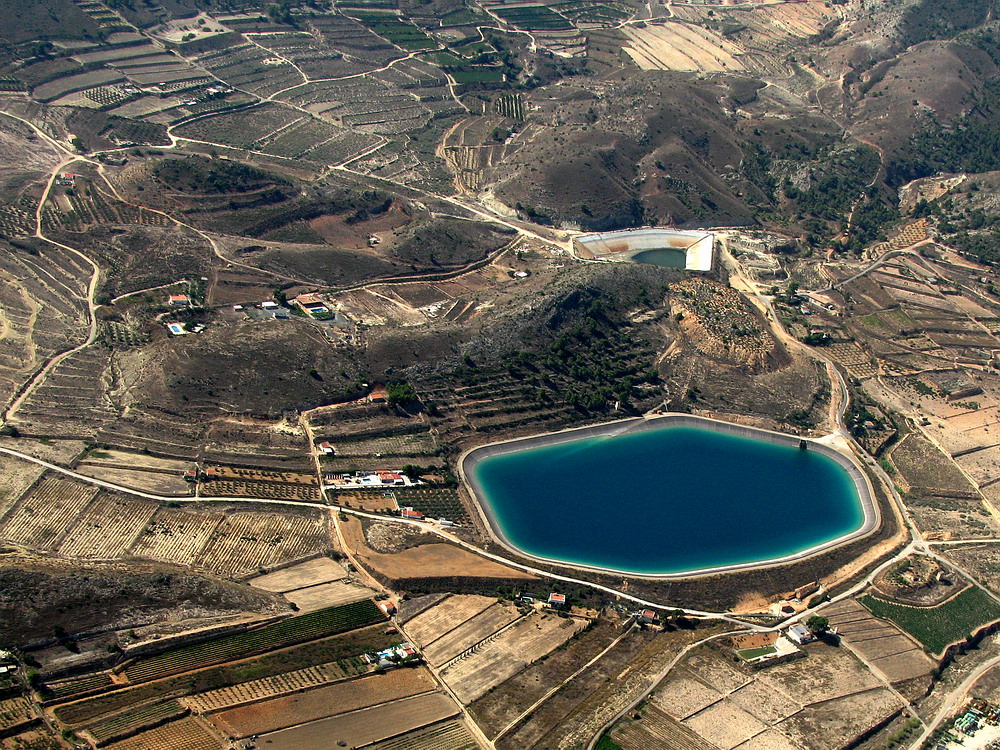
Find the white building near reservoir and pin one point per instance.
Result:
(626, 244)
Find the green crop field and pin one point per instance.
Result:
(936, 627)
(534, 17)
(478, 75)
(393, 28)
(752, 653)
(277, 635)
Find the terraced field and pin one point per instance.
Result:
(678, 46)
(72, 399)
(51, 280)
(898, 657)
(937, 627)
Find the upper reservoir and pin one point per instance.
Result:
(669, 496)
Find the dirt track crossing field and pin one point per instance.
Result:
(448, 614)
(504, 656)
(470, 632)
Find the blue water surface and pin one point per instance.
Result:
(668, 500)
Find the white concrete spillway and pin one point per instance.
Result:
(625, 244)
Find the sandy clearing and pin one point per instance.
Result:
(725, 724)
(683, 696)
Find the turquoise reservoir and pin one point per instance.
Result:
(665, 501)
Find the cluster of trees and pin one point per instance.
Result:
(590, 364)
(972, 144)
(196, 174)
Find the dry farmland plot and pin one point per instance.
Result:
(826, 700)
(41, 517)
(327, 595)
(278, 713)
(471, 632)
(110, 457)
(368, 725)
(427, 561)
(186, 734)
(109, 526)
(157, 482)
(309, 573)
(448, 614)
(500, 658)
(685, 695)
(245, 542)
(922, 465)
(176, 536)
(581, 708)
(725, 724)
(838, 722)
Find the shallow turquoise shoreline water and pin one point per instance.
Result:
(668, 500)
